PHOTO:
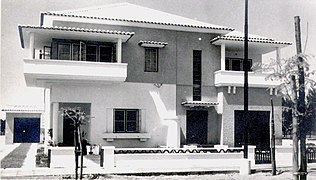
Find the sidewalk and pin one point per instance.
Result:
(29, 166)
(5, 149)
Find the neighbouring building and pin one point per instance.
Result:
(145, 78)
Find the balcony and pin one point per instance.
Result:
(42, 73)
(236, 78)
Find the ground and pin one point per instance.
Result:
(282, 175)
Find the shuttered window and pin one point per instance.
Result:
(126, 120)
(151, 59)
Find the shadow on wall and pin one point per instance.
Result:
(168, 120)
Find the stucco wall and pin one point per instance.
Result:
(158, 103)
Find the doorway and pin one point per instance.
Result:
(68, 123)
(258, 126)
(196, 127)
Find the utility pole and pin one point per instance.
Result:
(301, 99)
(295, 129)
(245, 67)
(272, 141)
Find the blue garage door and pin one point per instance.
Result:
(26, 130)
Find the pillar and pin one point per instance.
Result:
(223, 56)
(108, 157)
(47, 114)
(32, 42)
(222, 131)
(55, 121)
(119, 51)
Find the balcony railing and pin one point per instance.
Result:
(39, 72)
(236, 78)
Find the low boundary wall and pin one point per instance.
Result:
(151, 160)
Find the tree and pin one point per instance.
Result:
(286, 71)
(78, 118)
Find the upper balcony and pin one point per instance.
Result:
(72, 55)
(41, 73)
(231, 71)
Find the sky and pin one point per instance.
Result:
(269, 18)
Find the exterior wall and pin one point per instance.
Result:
(158, 104)
(187, 42)
(175, 66)
(259, 99)
(9, 131)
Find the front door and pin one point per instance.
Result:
(196, 127)
(26, 130)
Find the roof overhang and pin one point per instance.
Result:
(22, 109)
(44, 35)
(205, 104)
(204, 28)
(257, 45)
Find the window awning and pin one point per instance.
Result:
(199, 104)
(156, 44)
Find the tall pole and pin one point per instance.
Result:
(301, 99)
(272, 140)
(245, 67)
(295, 129)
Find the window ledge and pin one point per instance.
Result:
(112, 136)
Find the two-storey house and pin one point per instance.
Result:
(145, 78)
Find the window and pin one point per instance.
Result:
(151, 59)
(126, 120)
(64, 51)
(236, 64)
(91, 53)
(75, 52)
(197, 75)
(83, 50)
(106, 54)
(47, 52)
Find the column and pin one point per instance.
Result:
(32, 41)
(119, 51)
(223, 57)
(47, 114)
(222, 132)
(108, 157)
(55, 121)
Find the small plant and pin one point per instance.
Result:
(41, 158)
